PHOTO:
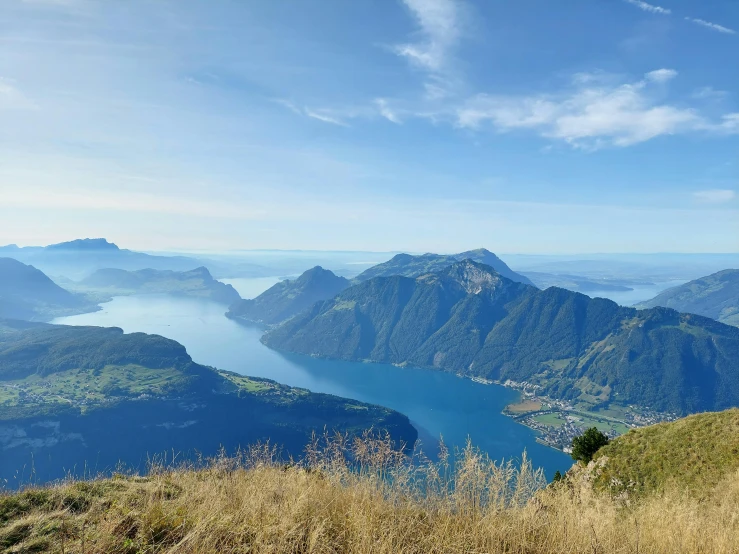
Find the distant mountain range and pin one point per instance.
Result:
(289, 297)
(197, 283)
(470, 319)
(27, 293)
(715, 296)
(79, 258)
(415, 266)
(83, 399)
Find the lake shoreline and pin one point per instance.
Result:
(436, 401)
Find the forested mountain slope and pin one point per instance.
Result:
(471, 320)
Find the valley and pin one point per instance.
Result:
(439, 404)
(558, 422)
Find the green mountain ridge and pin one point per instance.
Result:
(196, 282)
(590, 352)
(715, 296)
(289, 297)
(75, 396)
(408, 265)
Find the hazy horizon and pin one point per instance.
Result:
(246, 251)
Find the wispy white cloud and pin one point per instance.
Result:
(386, 111)
(661, 75)
(590, 115)
(712, 26)
(649, 7)
(11, 97)
(325, 117)
(714, 196)
(288, 104)
(729, 123)
(440, 30)
(597, 110)
(710, 93)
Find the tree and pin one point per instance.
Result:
(557, 476)
(586, 445)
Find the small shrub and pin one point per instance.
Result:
(586, 445)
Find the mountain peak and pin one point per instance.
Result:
(478, 252)
(290, 297)
(201, 271)
(317, 273)
(416, 266)
(84, 244)
(472, 276)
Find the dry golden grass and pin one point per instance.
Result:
(378, 503)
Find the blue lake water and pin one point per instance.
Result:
(438, 404)
(639, 293)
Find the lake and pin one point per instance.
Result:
(639, 293)
(438, 404)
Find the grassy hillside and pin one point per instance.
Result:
(251, 504)
(695, 454)
(715, 296)
(82, 398)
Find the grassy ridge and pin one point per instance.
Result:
(695, 454)
(251, 504)
(73, 398)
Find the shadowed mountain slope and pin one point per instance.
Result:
(715, 296)
(290, 297)
(27, 293)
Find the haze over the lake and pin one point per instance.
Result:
(416, 125)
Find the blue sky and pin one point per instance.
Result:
(424, 125)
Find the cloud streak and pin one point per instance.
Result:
(324, 116)
(440, 30)
(665, 11)
(321, 116)
(714, 196)
(661, 75)
(11, 98)
(712, 26)
(386, 112)
(649, 7)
